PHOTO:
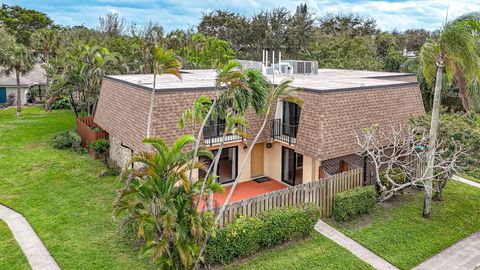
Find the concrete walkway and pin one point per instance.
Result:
(466, 181)
(358, 250)
(464, 255)
(33, 248)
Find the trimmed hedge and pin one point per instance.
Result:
(246, 236)
(351, 203)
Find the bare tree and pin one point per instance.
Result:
(402, 149)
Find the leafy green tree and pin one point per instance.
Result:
(45, 41)
(18, 59)
(453, 51)
(345, 52)
(301, 29)
(158, 201)
(21, 22)
(350, 25)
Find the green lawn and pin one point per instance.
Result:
(316, 252)
(400, 235)
(11, 255)
(60, 194)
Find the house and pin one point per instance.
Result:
(300, 144)
(35, 80)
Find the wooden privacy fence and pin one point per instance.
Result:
(89, 132)
(320, 192)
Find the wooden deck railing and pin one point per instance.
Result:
(90, 132)
(321, 193)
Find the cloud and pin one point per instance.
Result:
(175, 14)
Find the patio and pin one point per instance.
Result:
(246, 190)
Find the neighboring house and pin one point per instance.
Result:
(34, 80)
(299, 145)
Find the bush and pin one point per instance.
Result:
(354, 202)
(246, 236)
(61, 103)
(100, 146)
(67, 140)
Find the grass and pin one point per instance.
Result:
(399, 234)
(12, 256)
(60, 194)
(316, 252)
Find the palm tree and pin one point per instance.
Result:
(16, 58)
(158, 200)
(453, 52)
(45, 40)
(264, 98)
(283, 91)
(164, 61)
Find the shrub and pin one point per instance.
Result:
(100, 146)
(246, 236)
(351, 203)
(61, 103)
(67, 140)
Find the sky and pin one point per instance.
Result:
(182, 14)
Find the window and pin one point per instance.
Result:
(227, 165)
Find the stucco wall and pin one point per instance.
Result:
(23, 93)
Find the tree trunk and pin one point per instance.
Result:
(435, 122)
(232, 189)
(19, 98)
(197, 141)
(49, 103)
(438, 197)
(150, 110)
(462, 92)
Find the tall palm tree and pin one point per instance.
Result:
(46, 41)
(18, 59)
(282, 91)
(454, 51)
(158, 200)
(164, 61)
(266, 97)
(229, 77)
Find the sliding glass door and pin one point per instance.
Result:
(292, 166)
(227, 165)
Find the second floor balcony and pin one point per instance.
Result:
(213, 134)
(284, 132)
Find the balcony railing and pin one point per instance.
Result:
(213, 135)
(284, 132)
